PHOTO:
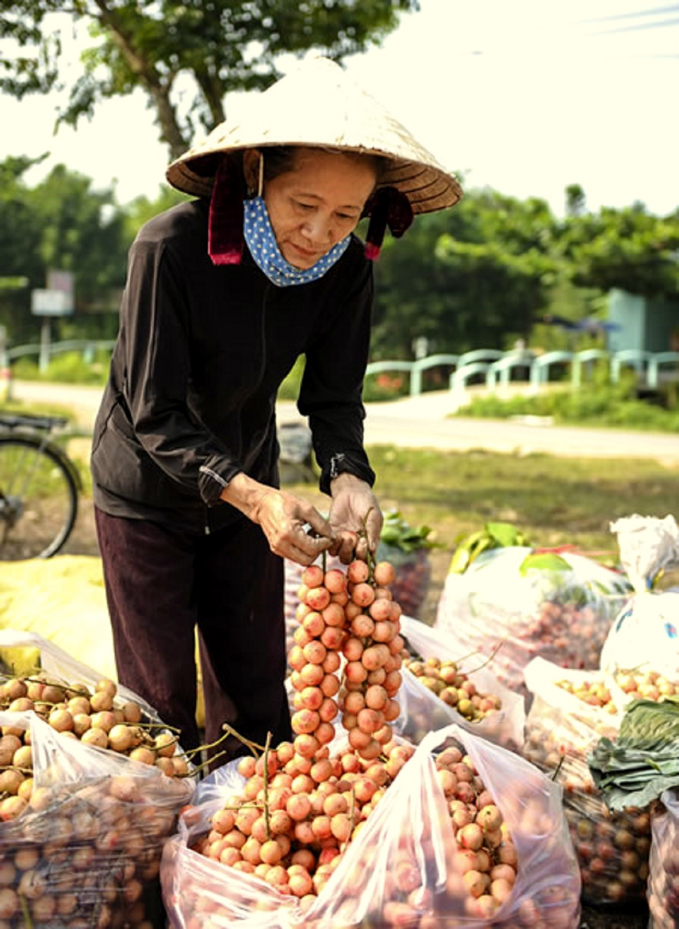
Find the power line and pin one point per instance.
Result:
(657, 10)
(636, 28)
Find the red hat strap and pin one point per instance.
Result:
(388, 207)
(225, 223)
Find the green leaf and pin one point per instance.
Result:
(504, 534)
(543, 561)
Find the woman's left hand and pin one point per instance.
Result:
(355, 517)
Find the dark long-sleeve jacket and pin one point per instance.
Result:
(200, 355)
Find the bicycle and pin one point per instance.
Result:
(39, 488)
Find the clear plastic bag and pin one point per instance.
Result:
(663, 880)
(423, 710)
(646, 630)
(403, 868)
(84, 848)
(561, 730)
(559, 608)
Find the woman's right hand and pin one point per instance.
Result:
(294, 528)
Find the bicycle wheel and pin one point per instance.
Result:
(38, 498)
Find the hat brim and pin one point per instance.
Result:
(335, 115)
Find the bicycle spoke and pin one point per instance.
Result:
(40, 499)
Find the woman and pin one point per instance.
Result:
(223, 294)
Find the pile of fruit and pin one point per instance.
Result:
(290, 826)
(294, 831)
(89, 714)
(445, 679)
(304, 809)
(663, 884)
(632, 685)
(612, 847)
(521, 603)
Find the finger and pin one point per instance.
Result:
(320, 525)
(373, 529)
(310, 544)
(361, 550)
(345, 546)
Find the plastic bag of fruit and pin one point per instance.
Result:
(82, 844)
(81, 821)
(663, 880)
(286, 836)
(571, 710)
(438, 689)
(467, 834)
(516, 603)
(646, 629)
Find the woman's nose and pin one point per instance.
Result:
(318, 229)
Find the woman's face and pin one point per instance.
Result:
(317, 203)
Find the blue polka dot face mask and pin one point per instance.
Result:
(263, 247)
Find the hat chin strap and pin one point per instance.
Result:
(225, 240)
(388, 207)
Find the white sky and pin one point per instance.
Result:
(525, 96)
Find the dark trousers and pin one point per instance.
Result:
(161, 585)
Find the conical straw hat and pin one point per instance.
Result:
(317, 105)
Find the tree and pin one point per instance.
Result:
(59, 225)
(221, 45)
(472, 277)
(629, 249)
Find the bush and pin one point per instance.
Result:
(68, 368)
(593, 404)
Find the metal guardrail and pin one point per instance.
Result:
(88, 347)
(497, 366)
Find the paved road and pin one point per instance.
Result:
(424, 422)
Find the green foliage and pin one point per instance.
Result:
(398, 533)
(60, 224)
(289, 389)
(629, 249)
(443, 279)
(603, 405)
(66, 368)
(221, 45)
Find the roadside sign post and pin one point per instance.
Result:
(48, 303)
(55, 300)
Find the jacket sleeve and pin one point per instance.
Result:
(155, 314)
(332, 385)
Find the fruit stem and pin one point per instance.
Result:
(229, 730)
(265, 775)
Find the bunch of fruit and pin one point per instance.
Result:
(349, 622)
(635, 685)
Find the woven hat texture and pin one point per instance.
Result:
(318, 105)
